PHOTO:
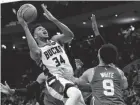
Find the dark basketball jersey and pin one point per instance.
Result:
(106, 86)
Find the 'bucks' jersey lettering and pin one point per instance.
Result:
(55, 58)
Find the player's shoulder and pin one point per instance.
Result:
(90, 70)
(119, 71)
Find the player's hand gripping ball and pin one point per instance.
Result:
(28, 12)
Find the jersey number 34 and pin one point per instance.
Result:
(58, 60)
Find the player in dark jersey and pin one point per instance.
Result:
(106, 80)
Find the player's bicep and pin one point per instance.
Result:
(62, 38)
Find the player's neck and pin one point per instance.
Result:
(41, 43)
(101, 63)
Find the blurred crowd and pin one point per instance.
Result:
(129, 51)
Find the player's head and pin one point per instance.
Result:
(108, 53)
(38, 31)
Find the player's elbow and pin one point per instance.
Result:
(70, 34)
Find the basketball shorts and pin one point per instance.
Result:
(57, 87)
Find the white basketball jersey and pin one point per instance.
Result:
(56, 60)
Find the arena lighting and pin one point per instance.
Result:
(3, 46)
(14, 47)
(101, 26)
(14, 11)
(84, 22)
(133, 18)
(132, 28)
(23, 37)
(91, 36)
(116, 15)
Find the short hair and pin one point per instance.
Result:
(34, 27)
(108, 53)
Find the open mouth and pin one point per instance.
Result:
(44, 32)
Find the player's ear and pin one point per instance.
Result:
(35, 36)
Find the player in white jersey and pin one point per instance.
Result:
(49, 54)
(55, 58)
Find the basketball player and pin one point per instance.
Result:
(50, 55)
(106, 80)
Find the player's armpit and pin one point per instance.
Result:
(36, 55)
(62, 38)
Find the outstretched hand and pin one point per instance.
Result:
(94, 24)
(93, 19)
(47, 13)
(6, 89)
(20, 19)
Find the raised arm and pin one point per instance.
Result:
(67, 33)
(99, 40)
(34, 49)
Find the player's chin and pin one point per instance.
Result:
(46, 36)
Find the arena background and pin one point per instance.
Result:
(114, 19)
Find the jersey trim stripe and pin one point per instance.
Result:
(54, 93)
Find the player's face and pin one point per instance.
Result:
(41, 32)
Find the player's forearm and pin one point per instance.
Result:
(80, 82)
(21, 92)
(31, 42)
(85, 87)
(95, 29)
(99, 38)
(65, 30)
(32, 88)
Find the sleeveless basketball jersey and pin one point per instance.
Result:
(54, 58)
(106, 87)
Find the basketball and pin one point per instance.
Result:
(28, 12)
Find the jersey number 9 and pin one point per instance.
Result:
(108, 86)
